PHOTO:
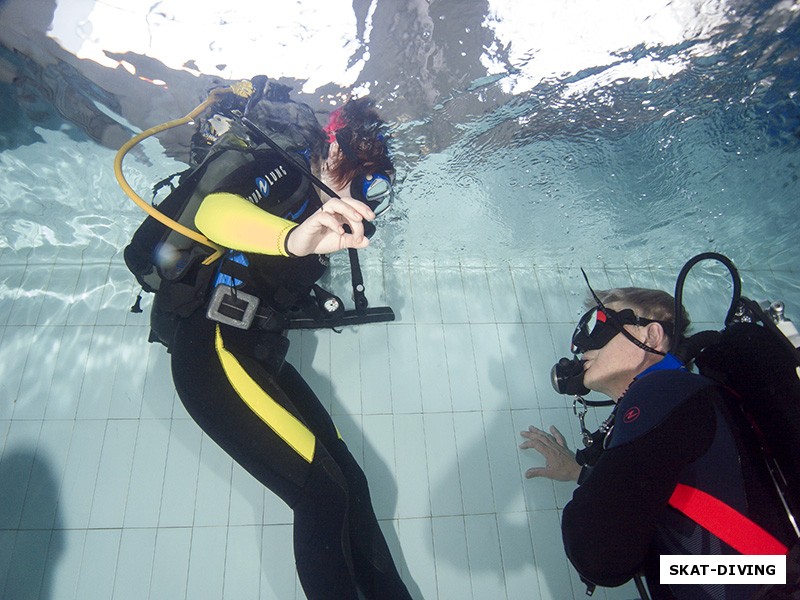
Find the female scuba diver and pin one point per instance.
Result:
(235, 382)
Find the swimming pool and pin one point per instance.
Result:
(530, 142)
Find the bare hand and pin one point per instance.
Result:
(560, 460)
(323, 232)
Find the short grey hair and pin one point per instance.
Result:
(650, 304)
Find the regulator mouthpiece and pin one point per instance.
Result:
(567, 377)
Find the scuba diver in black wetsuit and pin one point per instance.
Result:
(229, 368)
(672, 457)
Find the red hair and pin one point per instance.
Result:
(361, 136)
(335, 122)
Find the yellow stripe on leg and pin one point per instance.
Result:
(280, 420)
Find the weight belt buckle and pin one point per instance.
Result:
(232, 307)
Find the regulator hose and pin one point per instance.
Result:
(243, 89)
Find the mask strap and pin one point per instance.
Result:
(617, 324)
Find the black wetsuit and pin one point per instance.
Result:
(670, 427)
(235, 385)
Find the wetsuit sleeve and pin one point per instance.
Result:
(233, 222)
(608, 525)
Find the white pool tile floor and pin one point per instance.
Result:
(109, 491)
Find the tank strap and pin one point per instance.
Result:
(725, 522)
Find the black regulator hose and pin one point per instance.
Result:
(737, 292)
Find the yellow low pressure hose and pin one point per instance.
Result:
(242, 88)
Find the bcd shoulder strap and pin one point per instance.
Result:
(725, 522)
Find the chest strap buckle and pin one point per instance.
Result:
(232, 307)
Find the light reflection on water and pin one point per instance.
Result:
(554, 134)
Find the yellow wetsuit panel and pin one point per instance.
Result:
(280, 420)
(233, 222)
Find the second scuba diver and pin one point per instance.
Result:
(671, 441)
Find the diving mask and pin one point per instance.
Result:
(601, 324)
(374, 190)
(593, 331)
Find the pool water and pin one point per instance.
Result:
(530, 142)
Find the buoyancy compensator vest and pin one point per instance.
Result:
(759, 364)
(165, 260)
(755, 356)
(170, 258)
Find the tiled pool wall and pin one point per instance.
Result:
(111, 491)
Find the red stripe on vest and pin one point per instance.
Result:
(729, 525)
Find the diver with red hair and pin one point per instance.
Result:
(232, 375)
